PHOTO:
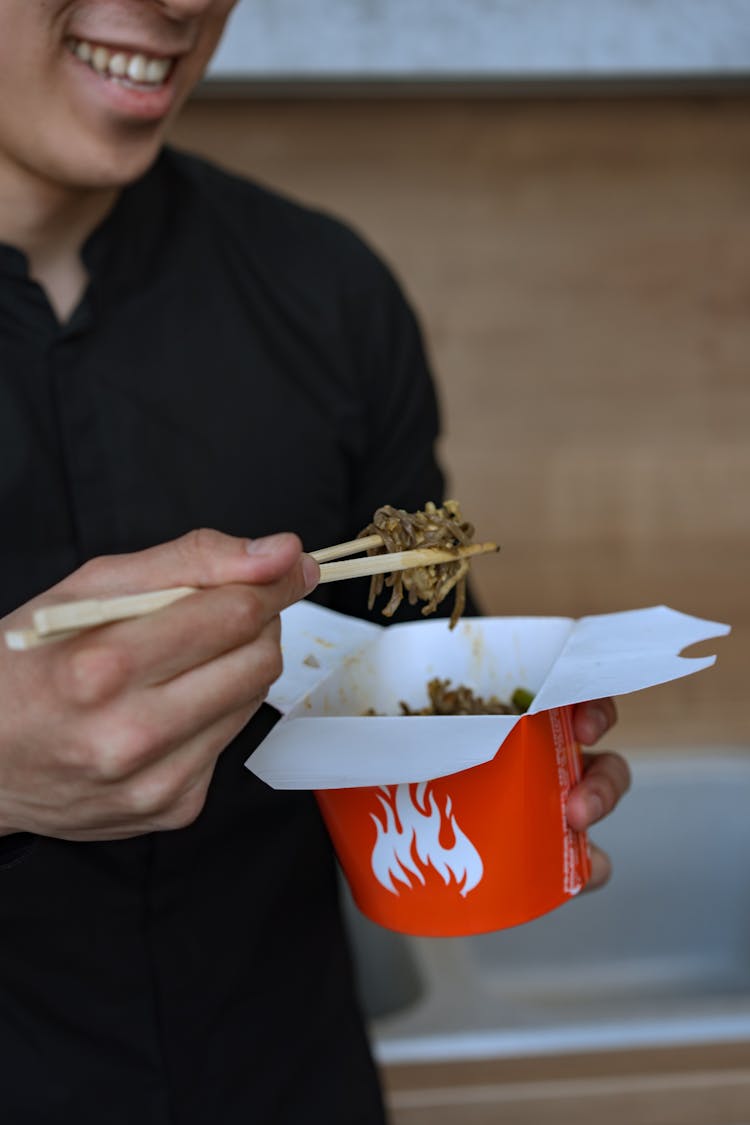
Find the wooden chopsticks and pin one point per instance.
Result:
(351, 547)
(55, 622)
(400, 560)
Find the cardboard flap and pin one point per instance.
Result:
(329, 737)
(617, 653)
(314, 642)
(338, 753)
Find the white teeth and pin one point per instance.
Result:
(136, 68)
(100, 59)
(156, 70)
(118, 65)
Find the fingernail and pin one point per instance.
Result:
(310, 572)
(265, 546)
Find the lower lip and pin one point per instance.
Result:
(143, 103)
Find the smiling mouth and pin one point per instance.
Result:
(128, 68)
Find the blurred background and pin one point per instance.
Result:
(563, 188)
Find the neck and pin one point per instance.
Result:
(50, 223)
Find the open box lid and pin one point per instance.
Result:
(335, 667)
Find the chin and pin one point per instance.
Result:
(108, 166)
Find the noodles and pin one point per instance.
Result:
(403, 531)
(461, 700)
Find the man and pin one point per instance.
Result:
(178, 350)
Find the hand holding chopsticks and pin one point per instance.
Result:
(54, 622)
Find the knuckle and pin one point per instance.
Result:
(607, 778)
(270, 659)
(244, 610)
(200, 543)
(93, 569)
(90, 578)
(603, 788)
(616, 771)
(186, 810)
(595, 717)
(609, 712)
(265, 667)
(150, 795)
(94, 674)
(122, 748)
(274, 665)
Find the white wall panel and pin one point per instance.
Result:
(480, 39)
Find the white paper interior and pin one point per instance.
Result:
(326, 741)
(492, 656)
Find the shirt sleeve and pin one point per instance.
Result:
(399, 465)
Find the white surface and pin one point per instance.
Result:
(326, 740)
(485, 38)
(615, 1036)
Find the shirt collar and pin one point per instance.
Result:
(125, 240)
(13, 263)
(129, 238)
(119, 253)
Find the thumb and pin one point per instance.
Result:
(201, 558)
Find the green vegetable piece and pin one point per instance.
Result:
(522, 699)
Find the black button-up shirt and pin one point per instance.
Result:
(238, 362)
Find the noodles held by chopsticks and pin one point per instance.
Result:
(403, 531)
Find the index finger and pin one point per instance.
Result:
(193, 631)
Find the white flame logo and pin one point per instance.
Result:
(408, 841)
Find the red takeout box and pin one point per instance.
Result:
(453, 825)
